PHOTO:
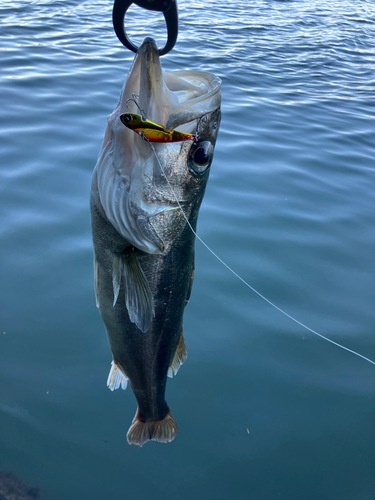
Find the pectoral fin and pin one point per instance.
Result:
(179, 357)
(116, 277)
(138, 296)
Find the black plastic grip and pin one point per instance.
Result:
(167, 7)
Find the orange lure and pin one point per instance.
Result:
(152, 131)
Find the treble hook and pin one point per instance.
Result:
(167, 7)
(135, 98)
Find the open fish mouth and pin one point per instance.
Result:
(131, 173)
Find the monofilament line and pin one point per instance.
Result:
(241, 279)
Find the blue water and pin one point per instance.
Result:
(266, 410)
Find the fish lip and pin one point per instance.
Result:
(164, 208)
(149, 54)
(147, 43)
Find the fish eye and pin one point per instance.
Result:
(200, 156)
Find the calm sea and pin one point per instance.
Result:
(266, 410)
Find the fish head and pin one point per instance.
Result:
(149, 190)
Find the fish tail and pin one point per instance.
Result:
(163, 431)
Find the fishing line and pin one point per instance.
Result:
(241, 279)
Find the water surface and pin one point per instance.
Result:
(265, 409)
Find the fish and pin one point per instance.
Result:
(144, 203)
(152, 131)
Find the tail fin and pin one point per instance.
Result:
(163, 431)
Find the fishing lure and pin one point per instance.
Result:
(152, 131)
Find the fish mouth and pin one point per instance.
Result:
(149, 42)
(171, 99)
(166, 101)
(153, 95)
(131, 175)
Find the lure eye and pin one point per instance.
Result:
(125, 118)
(200, 156)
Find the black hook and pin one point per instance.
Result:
(167, 7)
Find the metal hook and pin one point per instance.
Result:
(135, 98)
(167, 7)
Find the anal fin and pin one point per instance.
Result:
(116, 378)
(179, 357)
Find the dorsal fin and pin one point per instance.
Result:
(179, 357)
(96, 281)
(190, 286)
